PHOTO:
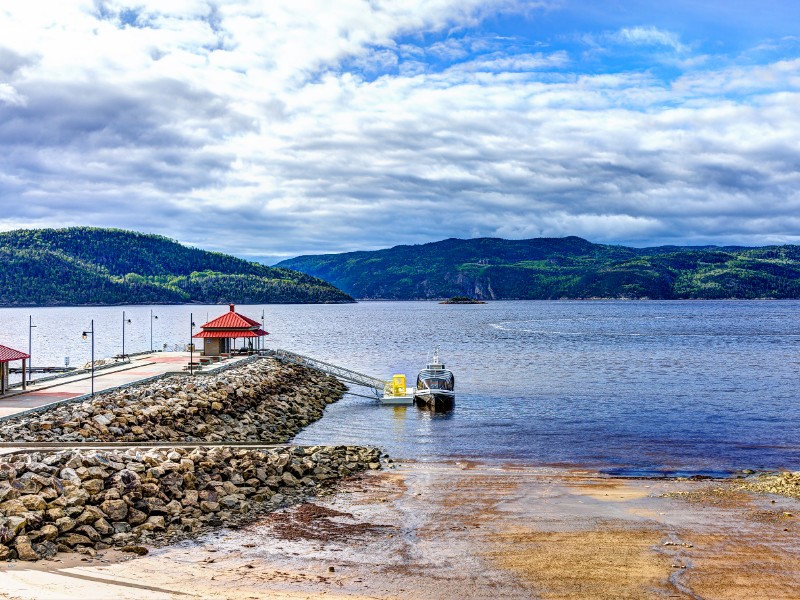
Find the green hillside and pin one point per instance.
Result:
(551, 268)
(83, 265)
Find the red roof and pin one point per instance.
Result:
(231, 320)
(7, 354)
(231, 333)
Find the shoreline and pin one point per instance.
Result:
(414, 529)
(354, 301)
(432, 300)
(421, 530)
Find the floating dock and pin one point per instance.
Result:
(406, 399)
(396, 393)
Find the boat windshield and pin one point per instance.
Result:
(436, 383)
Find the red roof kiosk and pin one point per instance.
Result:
(219, 332)
(7, 355)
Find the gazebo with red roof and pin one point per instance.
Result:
(6, 356)
(219, 332)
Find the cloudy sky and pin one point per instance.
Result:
(274, 128)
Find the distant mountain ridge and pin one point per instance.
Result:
(553, 268)
(86, 265)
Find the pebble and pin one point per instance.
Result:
(785, 484)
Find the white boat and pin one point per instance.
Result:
(436, 385)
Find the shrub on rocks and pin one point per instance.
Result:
(158, 495)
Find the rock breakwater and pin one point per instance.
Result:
(263, 401)
(91, 500)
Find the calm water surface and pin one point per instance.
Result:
(630, 387)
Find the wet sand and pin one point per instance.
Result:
(466, 530)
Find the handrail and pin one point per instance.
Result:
(340, 372)
(116, 388)
(378, 385)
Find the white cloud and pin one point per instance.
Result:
(450, 49)
(307, 126)
(10, 96)
(647, 36)
(646, 42)
(499, 62)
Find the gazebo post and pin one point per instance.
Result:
(6, 356)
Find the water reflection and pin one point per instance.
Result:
(436, 412)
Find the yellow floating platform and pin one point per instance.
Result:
(396, 393)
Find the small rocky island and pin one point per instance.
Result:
(462, 300)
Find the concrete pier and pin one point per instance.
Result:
(73, 385)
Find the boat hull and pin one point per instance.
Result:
(439, 399)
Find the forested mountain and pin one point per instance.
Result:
(548, 268)
(83, 265)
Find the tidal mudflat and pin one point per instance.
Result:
(467, 529)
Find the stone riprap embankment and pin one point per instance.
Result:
(91, 500)
(264, 401)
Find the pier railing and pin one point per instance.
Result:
(339, 372)
(377, 385)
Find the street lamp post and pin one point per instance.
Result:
(124, 320)
(86, 333)
(191, 344)
(152, 316)
(261, 337)
(31, 327)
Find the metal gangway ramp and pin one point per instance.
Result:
(378, 385)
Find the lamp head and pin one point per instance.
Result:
(84, 335)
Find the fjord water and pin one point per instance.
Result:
(626, 386)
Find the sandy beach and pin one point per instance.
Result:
(466, 530)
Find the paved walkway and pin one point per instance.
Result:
(71, 386)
